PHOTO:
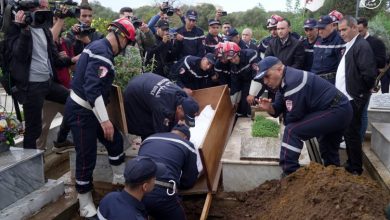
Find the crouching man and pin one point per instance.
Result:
(311, 106)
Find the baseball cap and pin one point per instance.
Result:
(231, 33)
(163, 24)
(323, 21)
(190, 108)
(142, 168)
(213, 21)
(210, 57)
(183, 129)
(264, 65)
(310, 23)
(192, 14)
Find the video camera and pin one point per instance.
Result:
(8, 9)
(72, 10)
(84, 30)
(136, 22)
(168, 9)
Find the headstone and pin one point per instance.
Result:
(379, 109)
(380, 101)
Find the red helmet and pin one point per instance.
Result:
(273, 21)
(336, 15)
(219, 50)
(124, 26)
(230, 50)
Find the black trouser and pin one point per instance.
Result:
(64, 130)
(353, 138)
(32, 108)
(385, 81)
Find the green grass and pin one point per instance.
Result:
(263, 127)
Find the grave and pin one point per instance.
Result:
(379, 109)
(380, 142)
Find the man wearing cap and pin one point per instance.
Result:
(234, 36)
(86, 112)
(191, 72)
(311, 33)
(311, 107)
(162, 53)
(212, 38)
(190, 38)
(355, 77)
(328, 50)
(155, 104)
(336, 18)
(140, 175)
(178, 154)
(285, 47)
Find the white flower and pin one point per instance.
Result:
(3, 123)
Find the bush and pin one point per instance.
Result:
(127, 66)
(263, 127)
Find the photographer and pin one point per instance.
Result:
(165, 12)
(82, 34)
(33, 62)
(162, 51)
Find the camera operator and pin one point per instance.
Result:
(32, 68)
(162, 51)
(165, 12)
(82, 33)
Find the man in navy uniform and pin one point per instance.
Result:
(311, 33)
(234, 36)
(193, 72)
(311, 106)
(271, 26)
(140, 175)
(155, 104)
(86, 111)
(190, 38)
(328, 50)
(212, 38)
(179, 156)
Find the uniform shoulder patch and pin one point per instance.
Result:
(289, 105)
(102, 71)
(182, 70)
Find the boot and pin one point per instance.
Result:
(87, 207)
(117, 174)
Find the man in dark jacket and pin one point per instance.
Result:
(287, 48)
(32, 65)
(234, 36)
(355, 78)
(212, 38)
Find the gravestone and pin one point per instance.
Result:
(381, 101)
(378, 109)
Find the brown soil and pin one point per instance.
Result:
(313, 192)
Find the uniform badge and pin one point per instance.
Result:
(102, 71)
(182, 71)
(289, 105)
(166, 122)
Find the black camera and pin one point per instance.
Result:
(136, 22)
(84, 30)
(40, 18)
(168, 9)
(223, 13)
(72, 11)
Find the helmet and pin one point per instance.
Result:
(273, 21)
(336, 15)
(230, 50)
(124, 27)
(219, 50)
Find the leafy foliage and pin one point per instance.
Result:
(263, 127)
(10, 127)
(127, 66)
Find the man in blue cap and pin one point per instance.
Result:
(140, 175)
(311, 33)
(212, 38)
(328, 50)
(311, 106)
(155, 104)
(193, 72)
(178, 154)
(190, 38)
(234, 36)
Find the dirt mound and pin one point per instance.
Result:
(313, 192)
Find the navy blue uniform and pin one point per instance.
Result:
(211, 42)
(163, 54)
(242, 75)
(92, 80)
(121, 206)
(223, 71)
(150, 104)
(262, 47)
(309, 50)
(186, 73)
(179, 157)
(312, 107)
(327, 55)
(192, 44)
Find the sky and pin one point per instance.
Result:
(227, 5)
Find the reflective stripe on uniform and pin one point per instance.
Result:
(248, 65)
(99, 57)
(191, 71)
(100, 216)
(292, 148)
(79, 182)
(173, 140)
(299, 87)
(116, 158)
(309, 50)
(193, 38)
(329, 46)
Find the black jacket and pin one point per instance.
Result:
(291, 53)
(163, 55)
(379, 49)
(360, 70)
(19, 45)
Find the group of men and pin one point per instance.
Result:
(320, 85)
